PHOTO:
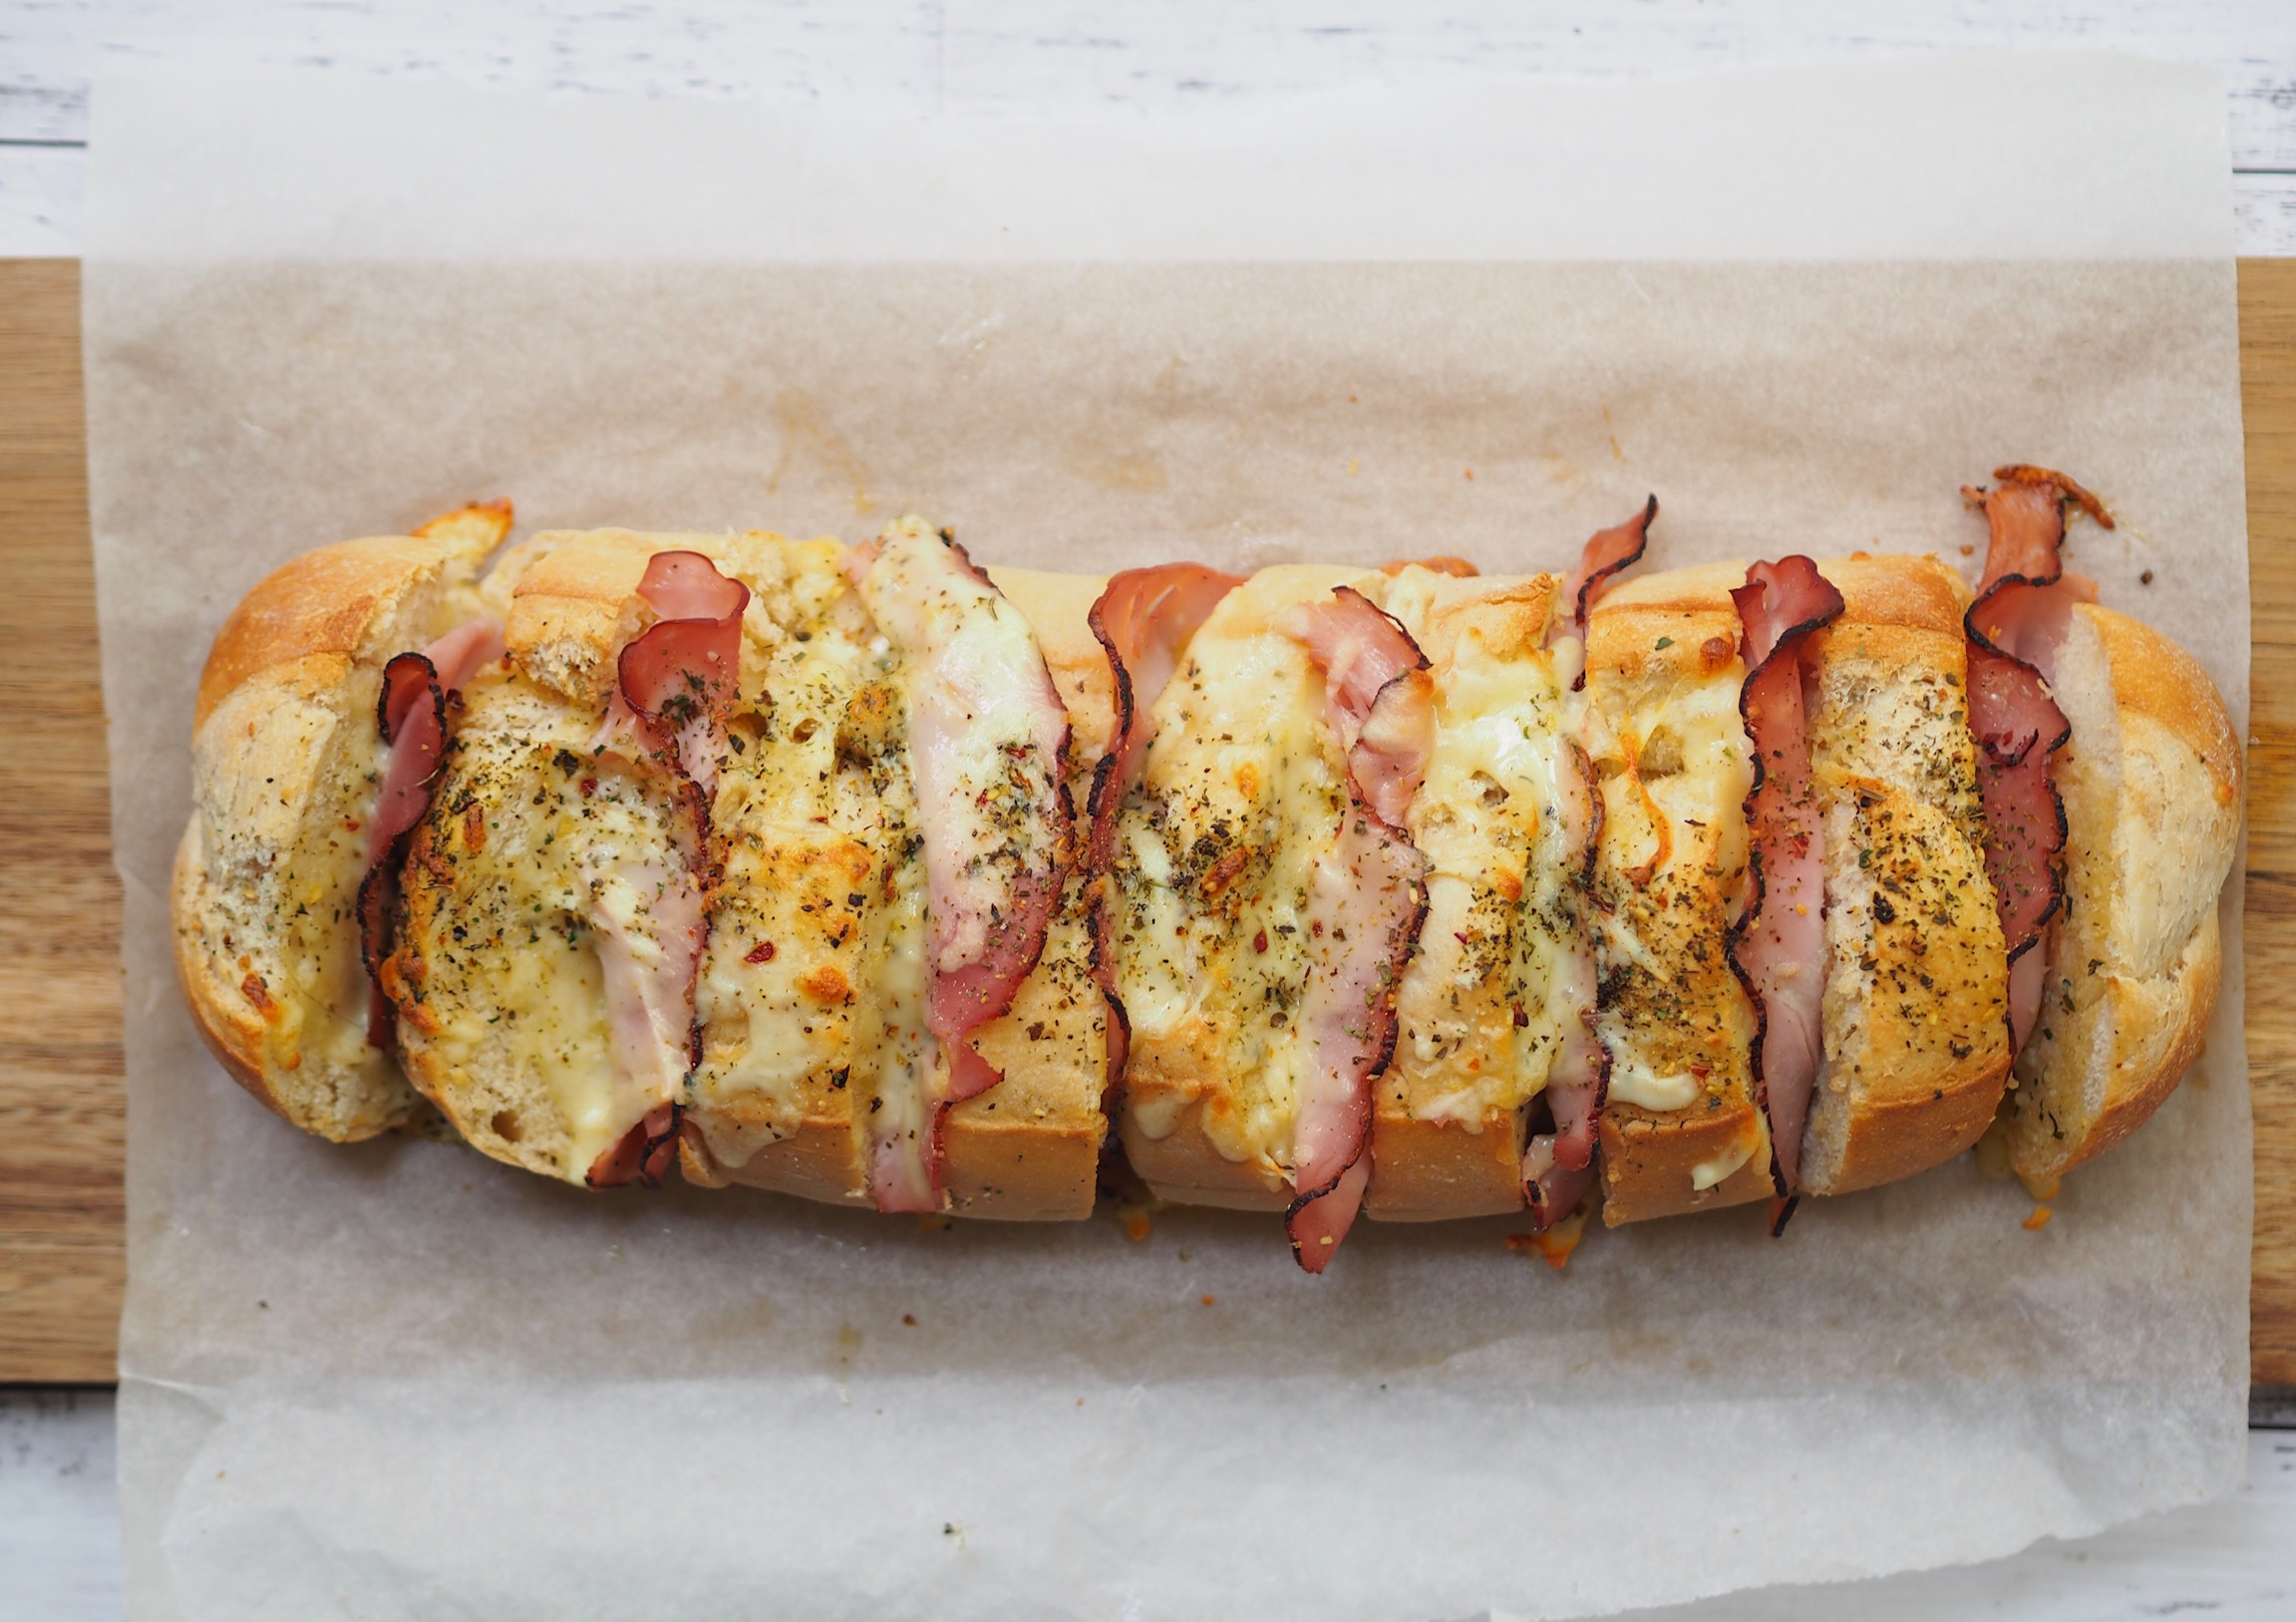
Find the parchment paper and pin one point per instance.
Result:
(399, 1381)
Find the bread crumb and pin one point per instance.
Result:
(1207, 1300)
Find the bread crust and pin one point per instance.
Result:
(283, 741)
(233, 1031)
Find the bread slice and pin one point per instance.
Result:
(1915, 1010)
(1480, 1021)
(821, 902)
(1681, 1130)
(2152, 784)
(1240, 789)
(287, 754)
(503, 1019)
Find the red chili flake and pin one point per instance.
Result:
(1259, 941)
(762, 952)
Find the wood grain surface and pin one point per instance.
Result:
(61, 1266)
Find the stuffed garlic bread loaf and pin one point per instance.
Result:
(293, 789)
(864, 875)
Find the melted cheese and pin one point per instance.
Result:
(1753, 1140)
(1240, 795)
(1482, 1008)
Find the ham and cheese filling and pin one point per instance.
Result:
(1242, 789)
(1558, 1166)
(986, 740)
(1779, 948)
(815, 823)
(2024, 604)
(1365, 902)
(1494, 1005)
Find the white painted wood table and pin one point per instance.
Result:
(59, 1543)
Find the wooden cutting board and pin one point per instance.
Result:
(61, 1141)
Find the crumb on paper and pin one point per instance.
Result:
(910, 1319)
(2038, 1220)
(1208, 1299)
(1555, 1244)
(1134, 1220)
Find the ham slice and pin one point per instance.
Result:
(1378, 695)
(648, 919)
(411, 714)
(988, 743)
(1606, 555)
(1143, 620)
(2024, 604)
(677, 680)
(1366, 900)
(1558, 1166)
(1777, 948)
(681, 673)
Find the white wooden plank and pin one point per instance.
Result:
(59, 1507)
(2264, 214)
(1035, 55)
(40, 200)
